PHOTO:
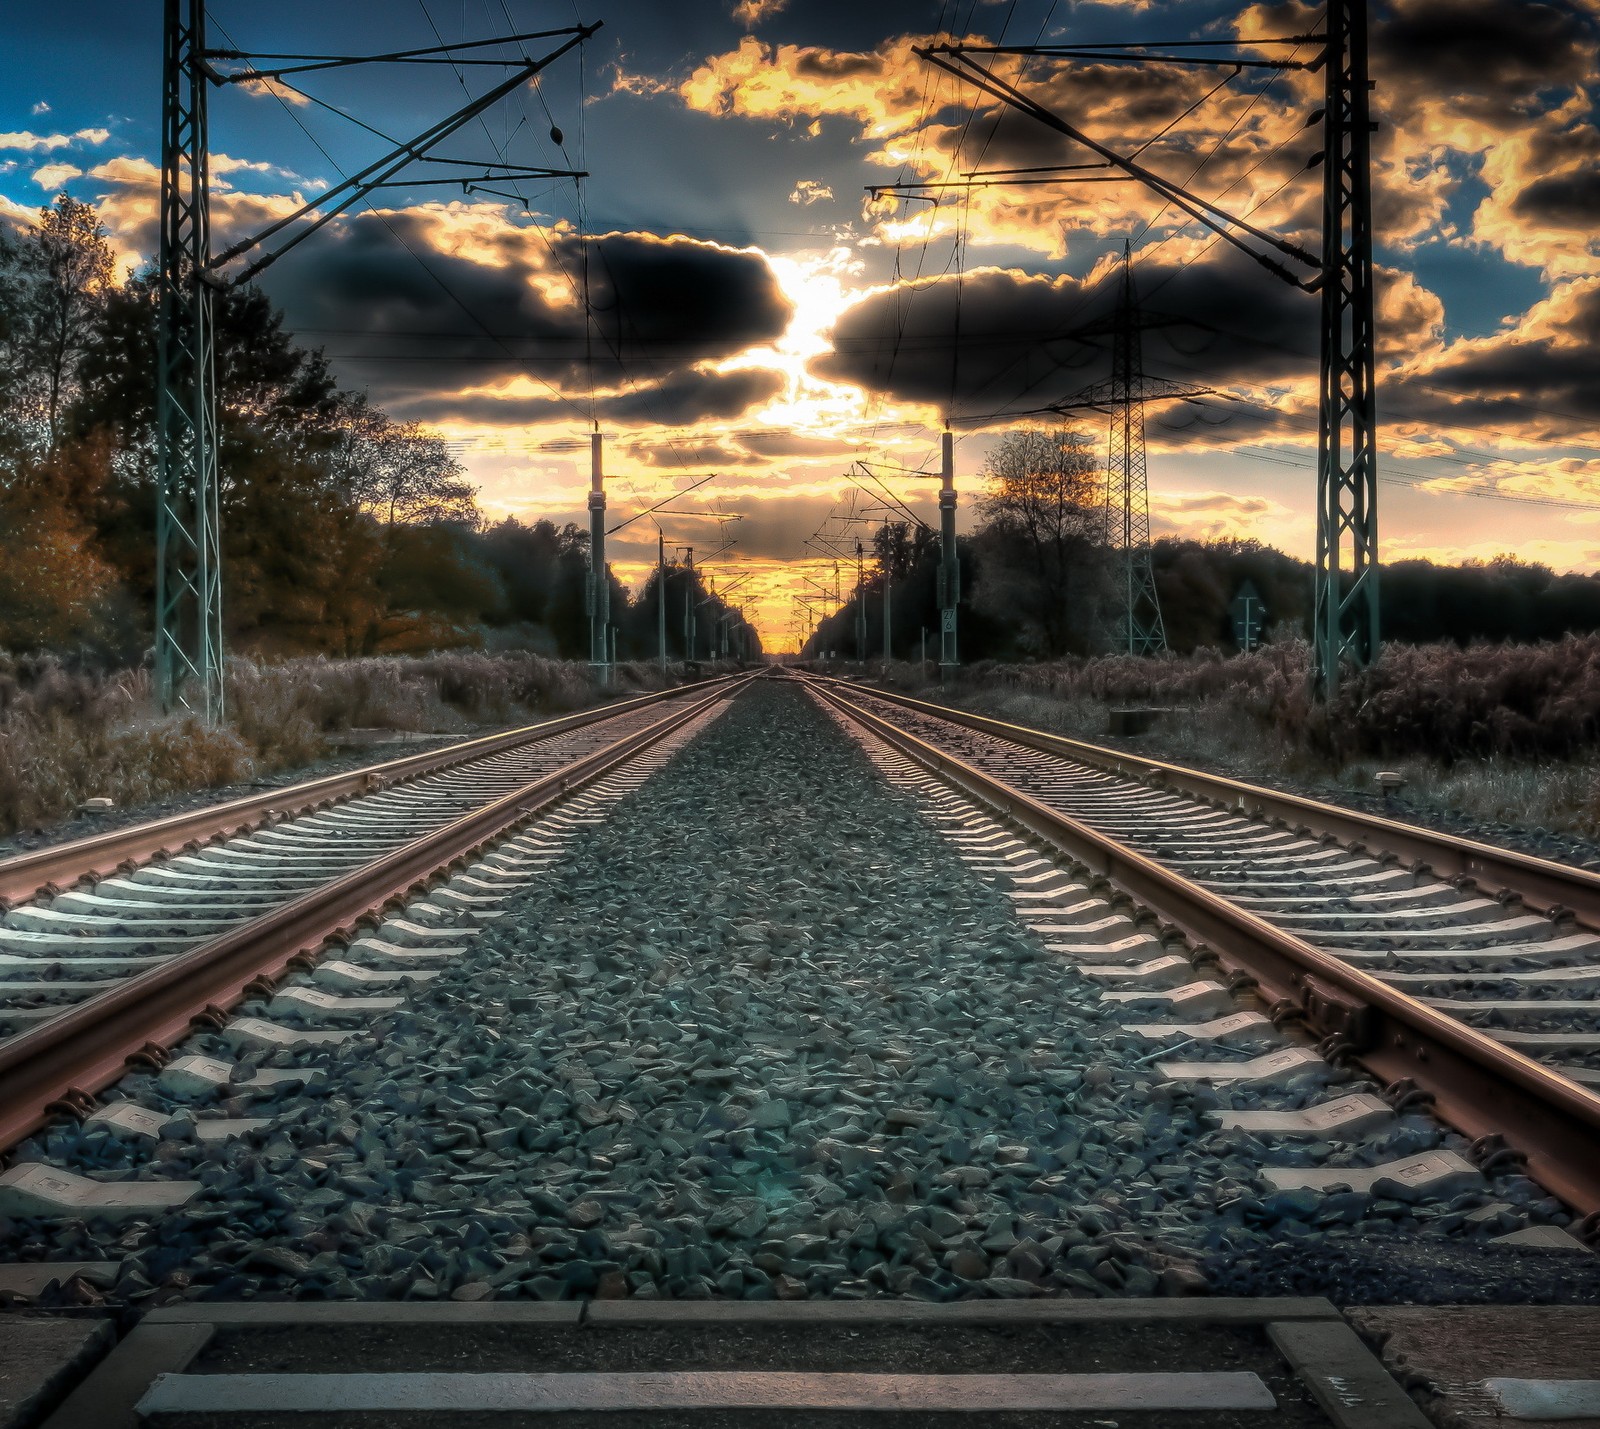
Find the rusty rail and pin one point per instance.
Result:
(1477, 1086)
(1541, 884)
(50, 870)
(62, 1063)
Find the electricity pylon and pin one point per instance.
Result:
(1345, 611)
(188, 612)
(1135, 620)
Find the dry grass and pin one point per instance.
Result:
(67, 736)
(1504, 733)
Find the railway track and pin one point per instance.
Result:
(202, 909)
(797, 1015)
(1465, 977)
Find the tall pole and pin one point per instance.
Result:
(661, 597)
(949, 559)
(861, 606)
(888, 595)
(599, 577)
(1345, 614)
(1137, 625)
(688, 604)
(188, 613)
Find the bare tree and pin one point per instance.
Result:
(1041, 533)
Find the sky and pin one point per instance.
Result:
(721, 295)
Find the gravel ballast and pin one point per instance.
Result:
(760, 1034)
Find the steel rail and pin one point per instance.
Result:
(1476, 1085)
(52, 870)
(61, 1064)
(1540, 884)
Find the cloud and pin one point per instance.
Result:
(682, 399)
(53, 176)
(42, 107)
(751, 13)
(267, 88)
(1536, 382)
(999, 340)
(691, 452)
(809, 191)
(34, 142)
(461, 292)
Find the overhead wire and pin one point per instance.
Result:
(400, 238)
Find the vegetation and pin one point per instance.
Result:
(345, 532)
(1504, 732)
(1035, 576)
(66, 735)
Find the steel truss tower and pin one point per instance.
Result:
(1134, 622)
(188, 598)
(1345, 618)
(188, 616)
(1136, 615)
(1345, 605)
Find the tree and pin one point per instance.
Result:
(52, 584)
(56, 278)
(400, 471)
(1042, 534)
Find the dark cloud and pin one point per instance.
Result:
(678, 400)
(1570, 200)
(408, 319)
(1000, 339)
(1539, 382)
(1479, 47)
(706, 453)
(781, 443)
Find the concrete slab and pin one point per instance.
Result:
(1286, 1068)
(342, 976)
(256, 1032)
(1345, 1378)
(1135, 949)
(129, 1120)
(1544, 1238)
(1168, 971)
(327, 1004)
(402, 932)
(1193, 998)
(208, 1129)
(333, 1314)
(389, 955)
(1437, 1173)
(195, 1076)
(1243, 1029)
(689, 1389)
(1546, 1398)
(43, 1358)
(1345, 1118)
(44, 1193)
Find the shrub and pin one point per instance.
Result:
(66, 735)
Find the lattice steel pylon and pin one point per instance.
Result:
(188, 612)
(188, 650)
(1345, 615)
(1136, 615)
(1134, 621)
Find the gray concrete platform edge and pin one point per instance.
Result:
(106, 1399)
